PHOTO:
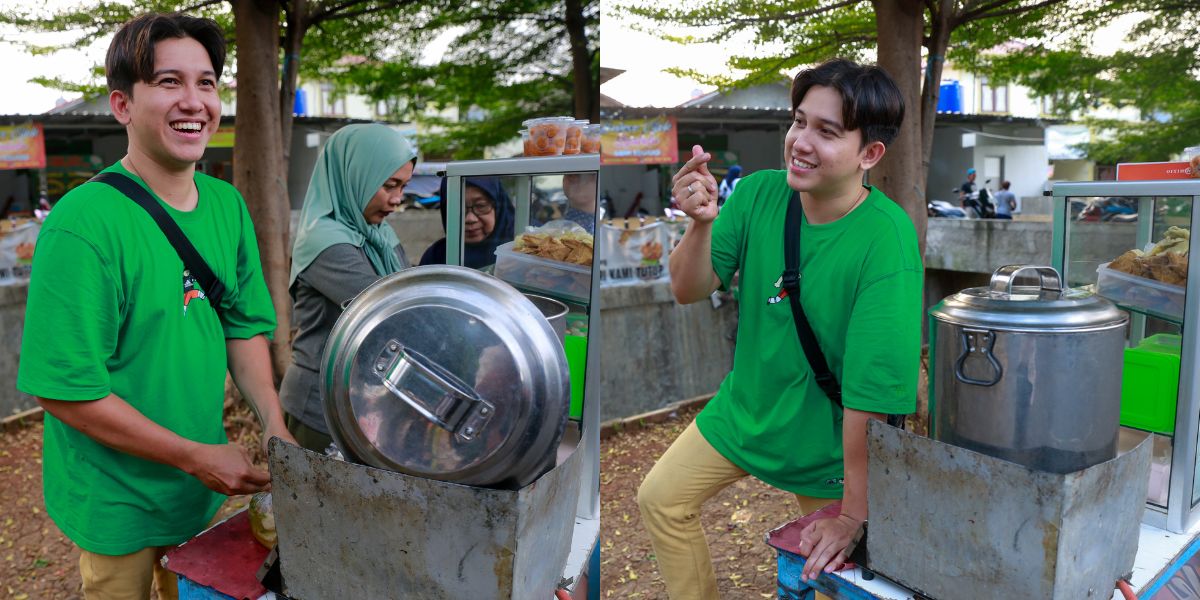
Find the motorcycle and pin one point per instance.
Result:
(941, 208)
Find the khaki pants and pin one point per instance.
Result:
(689, 473)
(127, 577)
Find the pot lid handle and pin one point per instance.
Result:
(431, 390)
(1003, 278)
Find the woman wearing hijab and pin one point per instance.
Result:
(342, 246)
(487, 223)
(727, 184)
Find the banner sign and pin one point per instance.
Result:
(640, 142)
(222, 137)
(1154, 171)
(22, 146)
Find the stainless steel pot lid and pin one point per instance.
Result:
(1046, 307)
(447, 373)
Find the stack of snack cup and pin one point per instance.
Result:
(591, 139)
(547, 135)
(526, 142)
(574, 136)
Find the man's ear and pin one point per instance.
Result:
(871, 155)
(119, 102)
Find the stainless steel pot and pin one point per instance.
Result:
(554, 311)
(1028, 374)
(446, 373)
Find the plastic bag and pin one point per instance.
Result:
(16, 252)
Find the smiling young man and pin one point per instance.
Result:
(122, 346)
(860, 287)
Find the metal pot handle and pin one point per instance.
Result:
(1003, 278)
(981, 341)
(431, 390)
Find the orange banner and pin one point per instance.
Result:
(22, 146)
(1154, 171)
(640, 142)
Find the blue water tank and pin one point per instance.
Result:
(300, 105)
(950, 96)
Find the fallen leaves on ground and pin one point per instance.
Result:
(735, 521)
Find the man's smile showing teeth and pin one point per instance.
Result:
(803, 165)
(186, 126)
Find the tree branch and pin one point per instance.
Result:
(200, 5)
(793, 16)
(981, 13)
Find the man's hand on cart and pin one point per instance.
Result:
(827, 544)
(226, 468)
(695, 189)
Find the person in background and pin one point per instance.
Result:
(967, 188)
(727, 184)
(862, 274)
(343, 244)
(488, 220)
(580, 189)
(123, 348)
(1006, 202)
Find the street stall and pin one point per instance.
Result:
(464, 408)
(1065, 418)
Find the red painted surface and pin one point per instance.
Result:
(224, 558)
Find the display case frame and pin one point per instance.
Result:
(587, 527)
(1183, 504)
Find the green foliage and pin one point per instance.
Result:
(510, 59)
(1154, 74)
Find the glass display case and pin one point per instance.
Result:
(1129, 241)
(530, 222)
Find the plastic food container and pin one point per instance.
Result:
(1162, 299)
(551, 277)
(574, 136)
(548, 135)
(526, 142)
(1150, 385)
(591, 139)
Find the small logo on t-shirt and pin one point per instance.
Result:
(191, 290)
(835, 481)
(777, 298)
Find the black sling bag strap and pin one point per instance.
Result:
(791, 283)
(192, 261)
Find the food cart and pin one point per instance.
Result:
(352, 530)
(1160, 400)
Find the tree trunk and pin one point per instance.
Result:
(293, 39)
(901, 174)
(259, 171)
(940, 26)
(587, 93)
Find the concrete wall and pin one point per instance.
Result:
(654, 351)
(758, 150)
(622, 184)
(12, 324)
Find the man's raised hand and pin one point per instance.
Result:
(695, 188)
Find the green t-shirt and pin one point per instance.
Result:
(111, 309)
(860, 287)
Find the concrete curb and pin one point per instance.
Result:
(615, 426)
(21, 420)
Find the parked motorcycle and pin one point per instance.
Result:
(941, 208)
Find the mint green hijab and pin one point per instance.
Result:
(354, 164)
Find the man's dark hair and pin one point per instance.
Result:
(1005, 185)
(870, 99)
(130, 57)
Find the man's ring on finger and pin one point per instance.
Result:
(690, 190)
